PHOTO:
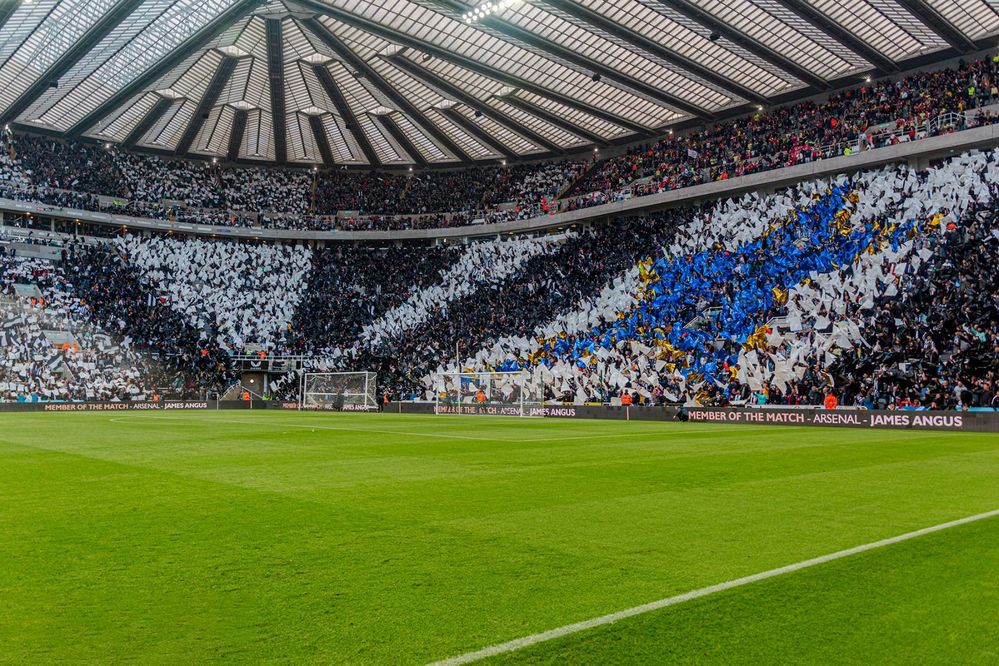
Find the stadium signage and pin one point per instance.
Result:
(326, 407)
(117, 406)
(847, 418)
(981, 421)
(842, 418)
(479, 410)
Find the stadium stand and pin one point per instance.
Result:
(247, 294)
(50, 348)
(856, 285)
(756, 300)
(130, 310)
(876, 114)
(769, 299)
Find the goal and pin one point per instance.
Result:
(339, 391)
(486, 393)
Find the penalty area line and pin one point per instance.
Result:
(552, 634)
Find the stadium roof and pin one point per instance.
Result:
(438, 82)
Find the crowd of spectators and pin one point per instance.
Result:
(440, 319)
(935, 343)
(874, 115)
(351, 286)
(690, 323)
(51, 351)
(876, 280)
(470, 192)
(482, 266)
(874, 288)
(247, 293)
(124, 307)
(103, 178)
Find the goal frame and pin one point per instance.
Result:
(519, 408)
(369, 394)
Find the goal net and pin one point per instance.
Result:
(339, 391)
(488, 393)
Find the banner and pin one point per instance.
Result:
(971, 421)
(837, 418)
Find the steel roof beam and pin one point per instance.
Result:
(343, 108)
(401, 102)
(208, 99)
(166, 63)
(80, 48)
(7, 8)
(555, 119)
(396, 131)
(236, 135)
(936, 22)
(144, 125)
(598, 20)
(403, 39)
(813, 16)
(460, 95)
(322, 141)
(734, 35)
(275, 71)
(480, 135)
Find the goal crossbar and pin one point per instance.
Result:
(339, 391)
(485, 393)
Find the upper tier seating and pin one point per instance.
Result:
(874, 115)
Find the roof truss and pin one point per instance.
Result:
(936, 22)
(524, 72)
(883, 63)
(383, 86)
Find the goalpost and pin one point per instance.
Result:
(339, 391)
(486, 393)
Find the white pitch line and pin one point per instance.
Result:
(534, 639)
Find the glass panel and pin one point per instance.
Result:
(258, 139)
(556, 135)
(427, 147)
(975, 18)
(771, 24)
(62, 28)
(153, 38)
(882, 24)
(213, 138)
(119, 125)
(301, 142)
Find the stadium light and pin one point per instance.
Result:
(486, 9)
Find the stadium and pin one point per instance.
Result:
(512, 332)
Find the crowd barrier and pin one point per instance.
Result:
(977, 421)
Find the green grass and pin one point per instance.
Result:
(284, 537)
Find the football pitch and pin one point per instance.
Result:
(386, 539)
